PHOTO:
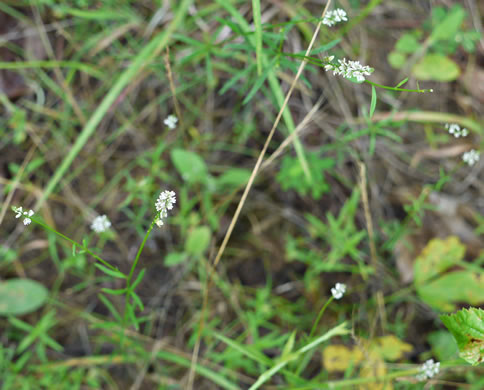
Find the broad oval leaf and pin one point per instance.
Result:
(198, 241)
(407, 43)
(21, 296)
(189, 165)
(436, 67)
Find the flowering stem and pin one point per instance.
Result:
(47, 227)
(131, 273)
(135, 262)
(398, 89)
(313, 329)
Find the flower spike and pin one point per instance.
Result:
(25, 214)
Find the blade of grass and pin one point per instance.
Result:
(265, 376)
(258, 34)
(206, 372)
(86, 68)
(144, 57)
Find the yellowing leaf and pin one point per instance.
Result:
(390, 347)
(442, 290)
(437, 256)
(339, 357)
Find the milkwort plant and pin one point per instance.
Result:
(264, 348)
(165, 203)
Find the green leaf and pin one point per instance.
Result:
(289, 176)
(396, 59)
(114, 292)
(189, 165)
(175, 258)
(21, 296)
(198, 241)
(467, 327)
(139, 278)
(436, 67)
(257, 84)
(407, 43)
(111, 272)
(110, 307)
(373, 101)
(401, 83)
(443, 345)
(452, 288)
(233, 178)
(447, 29)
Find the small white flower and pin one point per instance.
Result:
(348, 69)
(171, 121)
(333, 17)
(26, 214)
(428, 370)
(165, 202)
(455, 130)
(338, 290)
(471, 157)
(100, 224)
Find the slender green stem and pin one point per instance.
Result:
(398, 89)
(47, 227)
(321, 312)
(131, 273)
(135, 262)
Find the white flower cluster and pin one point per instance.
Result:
(165, 202)
(171, 121)
(333, 17)
(348, 69)
(428, 370)
(471, 157)
(100, 224)
(26, 214)
(338, 290)
(455, 130)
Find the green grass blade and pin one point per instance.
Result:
(251, 354)
(215, 377)
(265, 376)
(258, 34)
(145, 56)
(86, 68)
